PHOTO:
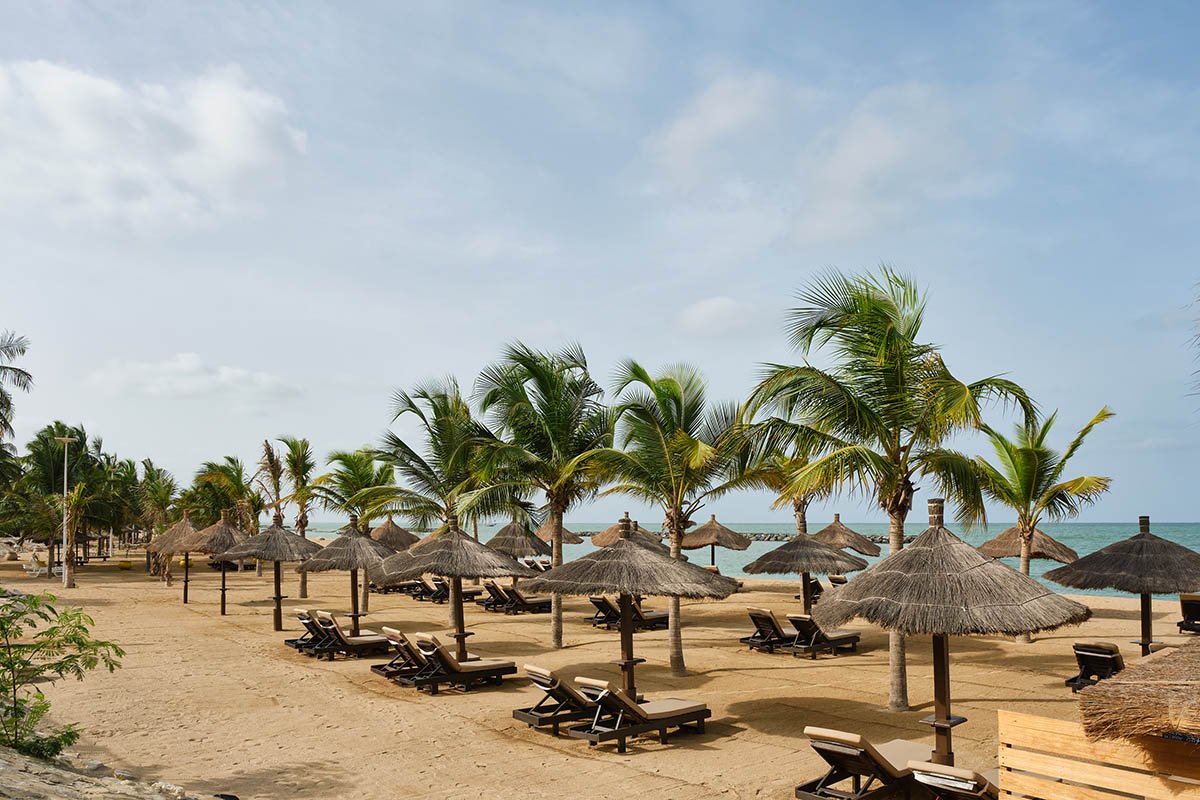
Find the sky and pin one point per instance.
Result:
(224, 222)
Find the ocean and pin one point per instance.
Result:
(1083, 537)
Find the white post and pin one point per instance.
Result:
(66, 442)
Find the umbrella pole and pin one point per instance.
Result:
(223, 588)
(1147, 625)
(627, 663)
(147, 562)
(460, 625)
(806, 591)
(187, 561)
(712, 555)
(942, 721)
(278, 597)
(354, 602)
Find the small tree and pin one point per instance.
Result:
(39, 643)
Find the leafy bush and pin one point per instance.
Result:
(38, 644)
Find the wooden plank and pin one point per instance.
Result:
(1068, 739)
(1140, 784)
(1016, 785)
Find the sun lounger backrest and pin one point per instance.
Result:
(837, 580)
(610, 697)
(851, 753)
(1103, 658)
(808, 629)
(431, 646)
(1190, 605)
(330, 624)
(765, 622)
(556, 687)
(952, 782)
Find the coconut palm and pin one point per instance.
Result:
(882, 411)
(224, 486)
(1028, 477)
(269, 477)
(157, 493)
(12, 347)
(674, 450)
(299, 466)
(549, 408)
(345, 487)
(73, 506)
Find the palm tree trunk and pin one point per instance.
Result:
(1026, 554)
(674, 621)
(898, 667)
(69, 559)
(556, 559)
(302, 529)
(800, 512)
(475, 530)
(366, 593)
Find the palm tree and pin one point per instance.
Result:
(1029, 478)
(224, 486)
(345, 487)
(881, 413)
(12, 347)
(73, 506)
(550, 409)
(157, 493)
(299, 466)
(270, 480)
(676, 452)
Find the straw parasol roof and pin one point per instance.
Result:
(1141, 564)
(519, 542)
(276, 543)
(804, 554)
(350, 551)
(612, 534)
(838, 535)
(939, 584)
(392, 535)
(179, 533)
(216, 539)
(1156, 695)
(546, 534)
(1008, 545)
(387, 572)
(714, 534)
(450, 553)
(626, 567)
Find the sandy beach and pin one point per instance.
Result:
(219, 704)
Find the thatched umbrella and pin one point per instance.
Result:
(712, 535)
(943, 586)
(352, 551)
(1152, 697)
(1042, 545)
(628, 570)
(612, 535)
(516, 540)
(452, 554)
(546, 534)
(389, 571)
(214, 540)
(276, 544)
(170, 543)
(805, 556)
(841, 537)
(1143, 564)
(393, 536)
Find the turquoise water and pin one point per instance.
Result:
(1083, 537)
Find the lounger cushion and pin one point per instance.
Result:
(484, 665)
(892, 756)
(669, 707)
(840, 633)
(964, 779)
(1107, 647)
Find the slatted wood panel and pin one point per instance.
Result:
(1049, 759)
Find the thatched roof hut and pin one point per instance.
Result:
(516, 540)
(391, 535)
(172, 540)
(714, 534)
(216, 538)
(546, 534)
(941, 585)
(1154, 696)
(838, 535)
(1042, 545)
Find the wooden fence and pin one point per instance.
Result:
(1049, 759)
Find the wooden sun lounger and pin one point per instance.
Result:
(441, 667)
(873, 772)
(521, 603)
(607, 614)
(406, 661)
(768, 636)
(496, 599)
(301, 641)
(619, 718)
(561, 701)
(316, 641)
(1189, 605)
(648, 620)
(815, 590)
(951, 783)
(811, 640)
(1097, 661)
(365, 644)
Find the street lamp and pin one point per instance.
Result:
(66, 442)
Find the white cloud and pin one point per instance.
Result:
(187, 375)
(716, 316)
(88, 146)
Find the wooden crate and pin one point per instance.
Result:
(1049, 759)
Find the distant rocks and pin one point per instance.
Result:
(24, 778)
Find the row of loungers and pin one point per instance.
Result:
(324, 637)
(511, 600)
(860, 770)
(423, 662)
(808, 637)
(604, 712)
(608, 616)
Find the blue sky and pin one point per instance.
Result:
(228, 221)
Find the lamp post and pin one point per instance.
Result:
(66, 442)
